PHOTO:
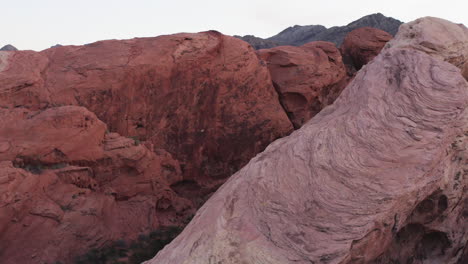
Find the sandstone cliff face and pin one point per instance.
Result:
(114, 139)
(377, 177)
(205, 98)
(307, 78)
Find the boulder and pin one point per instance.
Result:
(363, 44)
(307, 78)
(377, 177)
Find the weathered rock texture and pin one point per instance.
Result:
(299, 35)
(380, 176)
(307, 78)
(66, 186)
(438, 37)
(191, 108)
(363, 44)
(205, 98)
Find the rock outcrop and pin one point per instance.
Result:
(438, 37)
(8, 48)
(363, 44)
(310, 77)
(307, 78)
(68, 187)
(110, 140)
(299, 35)
(380, 176)
(205, 98)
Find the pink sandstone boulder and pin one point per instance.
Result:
(380, 176)
(307, 78)
(437, 37)
(363, 44)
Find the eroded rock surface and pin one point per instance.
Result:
(307, 78)
(205, 98)
(103, 142)
(67, 187)
(438, 37)
(378, 177)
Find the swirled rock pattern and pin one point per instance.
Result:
(379, 176)
(307, 78)
(438, 37)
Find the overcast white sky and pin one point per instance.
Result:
(39, 24)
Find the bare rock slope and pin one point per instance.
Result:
(380, 176)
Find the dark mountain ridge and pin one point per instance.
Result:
(8, 48)
(299, 35)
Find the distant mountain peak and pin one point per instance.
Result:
(298, 35)
(376, 20)
(8, 47)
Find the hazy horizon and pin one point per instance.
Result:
(38, 25)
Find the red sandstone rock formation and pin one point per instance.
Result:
(66, 186)
(307, 78)
(191, 109)
(380, 176)
(205, 97)
(363, 44)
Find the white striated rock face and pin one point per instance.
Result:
(437, 37)
(4, 55)
(377, 177)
